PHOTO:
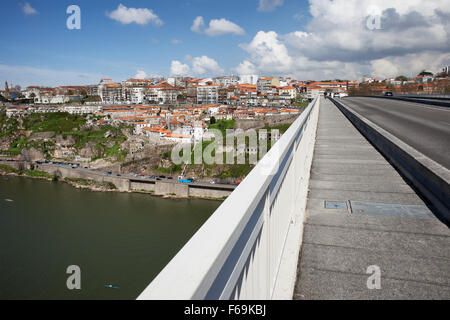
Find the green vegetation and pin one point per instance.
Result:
(281, 127)
(222, 125)
(28, 173)
(174, 168)
(58, 122)
(38, 174)
(66, 125)
(91, 183)
(9, 169)
(235, 171)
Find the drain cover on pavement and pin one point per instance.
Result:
(336, 205)
(393, 210)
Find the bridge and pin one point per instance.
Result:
(356, 188)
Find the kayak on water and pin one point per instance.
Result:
(111, 286)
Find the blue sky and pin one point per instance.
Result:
(109, 48)
(306, 39)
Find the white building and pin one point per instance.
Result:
(289, 91)
(208, 94)
(249, 78)
(226, 81)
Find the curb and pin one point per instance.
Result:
(430, 178)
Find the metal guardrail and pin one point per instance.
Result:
(248, 249)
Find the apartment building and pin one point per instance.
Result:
(226, 81)
(208, 94)
(111, 92)
(265, 84)
(288, 91)
(249, 79)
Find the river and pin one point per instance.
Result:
(122, 239)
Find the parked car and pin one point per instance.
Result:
(212, 182)
(170, 178)
(388, 94)
(152, 177)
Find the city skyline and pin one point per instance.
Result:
(303, 39)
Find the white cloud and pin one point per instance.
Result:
(28, 9)
(338, 40)
(198, 25)
(246, 68)
(179, 69)
(27, 76)
(269, 5)
(140, 75)
(268, 53)
(217, 27)
(204, 64)
(199, 66)
(141, 16)
(175, 41)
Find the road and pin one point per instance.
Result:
(425, 128)
(134, 177)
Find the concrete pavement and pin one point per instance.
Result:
(374, 219)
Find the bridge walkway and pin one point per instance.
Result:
(362, 213)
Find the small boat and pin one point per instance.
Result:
(111, 286)
(9, 200)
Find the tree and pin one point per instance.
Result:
(212, 120)
(401, 78)
(425, 73)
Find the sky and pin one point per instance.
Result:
(315, 39)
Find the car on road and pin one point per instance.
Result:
(388, 94)
(152, 177)
(162, 177)
(170, 178)
(212, 182)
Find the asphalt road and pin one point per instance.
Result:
(425, 128)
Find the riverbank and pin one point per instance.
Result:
(100, 183)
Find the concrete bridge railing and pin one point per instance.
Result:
(249, 247)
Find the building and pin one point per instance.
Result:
(226, 81)
(249, 79)
(110, 92)
(265, 84)
(208, 94)
(288, 91)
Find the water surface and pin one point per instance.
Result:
(115, 238)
